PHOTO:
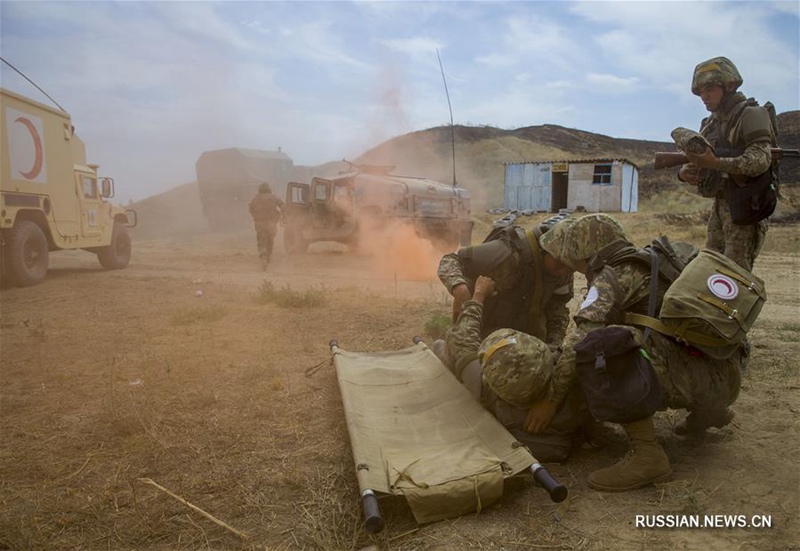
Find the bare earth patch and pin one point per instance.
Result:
(109, 378)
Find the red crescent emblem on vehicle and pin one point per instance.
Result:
(37, 144)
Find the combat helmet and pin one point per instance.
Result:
(516, 366)
(265, 188)
(719, 71)
(570, 242)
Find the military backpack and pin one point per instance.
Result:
(707, 300)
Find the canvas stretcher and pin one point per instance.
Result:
(416, 432)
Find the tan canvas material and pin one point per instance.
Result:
(416, 431)
(711, 305)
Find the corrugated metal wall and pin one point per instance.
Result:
(630, 189)
(529, 186)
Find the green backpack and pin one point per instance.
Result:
(711, 305)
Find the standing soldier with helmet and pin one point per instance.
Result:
(265, 208)
(736, 181)
(681, 377)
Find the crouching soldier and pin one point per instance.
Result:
(507, 372)
(685, 378)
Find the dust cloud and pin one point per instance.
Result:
(398, 252)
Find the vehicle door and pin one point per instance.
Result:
(321, 199)
(90, 204)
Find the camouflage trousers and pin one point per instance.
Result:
(696, 383)
(739, 243)
(265, 238)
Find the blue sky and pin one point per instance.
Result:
(151, 85)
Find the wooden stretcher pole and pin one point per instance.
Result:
(373, 521)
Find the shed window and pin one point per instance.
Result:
(602, 174)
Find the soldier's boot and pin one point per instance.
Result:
(438, 349)
(645, 463)
(697, 422)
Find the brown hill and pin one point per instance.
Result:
(480, 152)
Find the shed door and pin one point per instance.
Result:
(541, 187)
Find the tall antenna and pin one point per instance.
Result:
(452, 129)
(36, 85)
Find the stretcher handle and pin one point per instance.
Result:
(373, 521)
(417, 340)
(558, 492)
(334, 344)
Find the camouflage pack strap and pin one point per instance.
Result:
(536, 303)
(680, 333)
(732, 313)
(751, 284)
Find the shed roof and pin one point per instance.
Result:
(578, 161)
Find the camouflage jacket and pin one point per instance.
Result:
(510, 306)
(739, 124)
(265, 209)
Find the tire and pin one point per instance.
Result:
(118, 253)
(27, 254)
(292, 242)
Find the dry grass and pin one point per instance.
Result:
(112, 377)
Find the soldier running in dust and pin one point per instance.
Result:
(265, 208)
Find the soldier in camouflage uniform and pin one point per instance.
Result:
(692, 381)
(265, 208)
(508, 371)
(532, 288)
(735, 122)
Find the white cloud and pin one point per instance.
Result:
(151, 85)
(612, 83)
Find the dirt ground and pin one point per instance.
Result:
(174, 371)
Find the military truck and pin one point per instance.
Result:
(50, 198)
(363, 198)
(227, 179)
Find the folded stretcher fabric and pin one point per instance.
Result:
(416, 431)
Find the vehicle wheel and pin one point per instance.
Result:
(292, 242)
(118, 253)
(27, 255)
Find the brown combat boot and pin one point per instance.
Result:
(645, 463)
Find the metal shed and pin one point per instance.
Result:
(596, 185)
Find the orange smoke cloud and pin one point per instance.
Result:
(399, 252)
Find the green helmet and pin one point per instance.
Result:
(516, 366)
(573, 240)
(264, 188)
(719, 70)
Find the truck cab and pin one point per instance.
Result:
(50, 198)
(340, 208)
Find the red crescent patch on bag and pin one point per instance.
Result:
(722, 286)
